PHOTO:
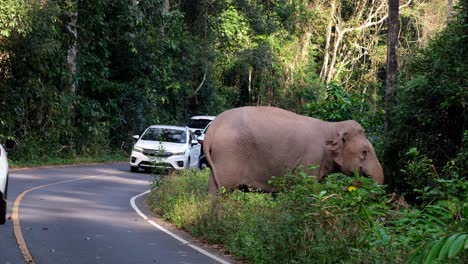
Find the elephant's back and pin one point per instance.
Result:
(265, 126)
(262, 140)
(266, 115)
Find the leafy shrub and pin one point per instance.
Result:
(434, 230)
(340, 220)
(419, 173)
(343, 219)
(338, 104)
(441, 249)
(180, 197)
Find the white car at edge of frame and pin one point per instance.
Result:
(167, 147)
(8, 145)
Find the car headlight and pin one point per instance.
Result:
(179, 153)
(138, 149)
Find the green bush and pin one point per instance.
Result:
(430, 113)
(179, 197)
(342, 220)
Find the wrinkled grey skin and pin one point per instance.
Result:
(247, 146)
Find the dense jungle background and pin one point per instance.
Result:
(80, 77)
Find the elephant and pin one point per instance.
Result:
(246, 146)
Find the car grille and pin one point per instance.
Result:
(157, 153)
(146, 164)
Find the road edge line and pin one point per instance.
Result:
(180, 239)
(23, 247)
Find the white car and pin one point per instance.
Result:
(168, 147)
(9, 145)
(198, 123)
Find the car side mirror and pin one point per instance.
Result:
(10, 144)
(136, 137)
(193, 142)
(197, 132)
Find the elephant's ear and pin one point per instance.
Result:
(335, 147)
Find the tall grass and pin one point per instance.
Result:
(104, 156)
(344, 220)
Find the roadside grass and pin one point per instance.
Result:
(103, 157)
(343, 220)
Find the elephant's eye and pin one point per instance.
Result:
(364, 154)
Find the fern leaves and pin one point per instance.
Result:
(440, 249)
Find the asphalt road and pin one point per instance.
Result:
(83, 214)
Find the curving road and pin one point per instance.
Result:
(83, 214)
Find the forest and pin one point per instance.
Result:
(79, 78)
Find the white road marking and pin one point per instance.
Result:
(183, 241)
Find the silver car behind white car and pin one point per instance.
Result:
(169, 147)
(9, 145)
(197, 124)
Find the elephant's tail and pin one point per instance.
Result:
(207, 147)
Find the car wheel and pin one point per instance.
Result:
(6, 188)
(134, 169)
(3, 207)
(202, 165)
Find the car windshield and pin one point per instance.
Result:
(165, 135)
(198, 123)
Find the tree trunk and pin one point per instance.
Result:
(167, 6)
(200, 86)
(392, 62)
(72, 51)
(338, 38)
(70, 89)
(249, 87)
(326, 54)
(165, 10)
(449, 9)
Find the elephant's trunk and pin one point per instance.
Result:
(374, 170)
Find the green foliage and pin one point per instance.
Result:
(13, 16)
(180, 198)
(307, 221)
(418, 173)
(141, 64)
(430, 114)
(101, 157)
(427, 229)
(233, 30)
(343, 219)
(441, 249)
(420, 179)
(338, 104)
(136, 67)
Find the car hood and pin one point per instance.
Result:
(157, 145)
